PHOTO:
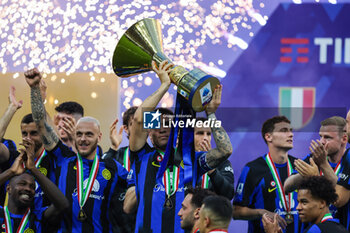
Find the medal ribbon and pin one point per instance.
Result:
(126, 160)
(171, 189)
(205, 181)
(83, 195)
(22, 225)
(336, 169)
(326, 217)
(277, 179)
(40, 158)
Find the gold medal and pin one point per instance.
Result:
(289, 218)
(168, 203)
(82, 215)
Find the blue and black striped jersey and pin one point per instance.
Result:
(256, 189)
(97, 207)
(152, 215)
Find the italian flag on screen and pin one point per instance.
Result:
(297, 104)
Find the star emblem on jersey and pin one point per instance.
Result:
(151, 120)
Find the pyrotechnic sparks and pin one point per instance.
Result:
(80, 36)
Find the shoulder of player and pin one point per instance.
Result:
(292, 158)
(109, 163)
(346, 157)
(62, 149)
(144, 150)
(258, 162)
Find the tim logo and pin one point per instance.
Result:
(151, 120)
(300, 44)
(336, 50)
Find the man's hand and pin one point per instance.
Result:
(17, 167)
(163, 71)
(29, 151)
(204, 145)
(33, 77)
(68, 124)
(305, 169)
(215, 101)
(319, 152)
(115, 135)
(12, 99)
(277, 219)
(271, 225)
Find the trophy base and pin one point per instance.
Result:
(197, 88)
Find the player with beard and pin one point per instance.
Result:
(328, 156)
(190, 208)
(87, 181)
(260, 186)
(215, 215)
(157, 206)
(30, 131)
(21, 214)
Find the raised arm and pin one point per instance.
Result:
(115, 136)
(14, 170)
(12, 108)
(319, 153)
(56, 197)
(138, 136)
(223, 144)
(49, 137)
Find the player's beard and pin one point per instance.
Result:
(86, 154)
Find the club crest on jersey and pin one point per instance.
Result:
(273, 183)
(29, 230)
(297, 104)
(106, 174)
(3, 226)
(43, 171)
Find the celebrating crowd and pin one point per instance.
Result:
(57, 179)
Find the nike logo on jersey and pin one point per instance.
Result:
(154, 164)
(271, 189)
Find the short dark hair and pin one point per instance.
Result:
(70, 107)
(198, 195)
(269, 125)
(220, 207)
(27, 119)
(128, 114)
(16, 176)
(320, 187)
(338, 121)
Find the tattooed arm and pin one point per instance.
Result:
(223, 144)
(48, 135)
(138, 136)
